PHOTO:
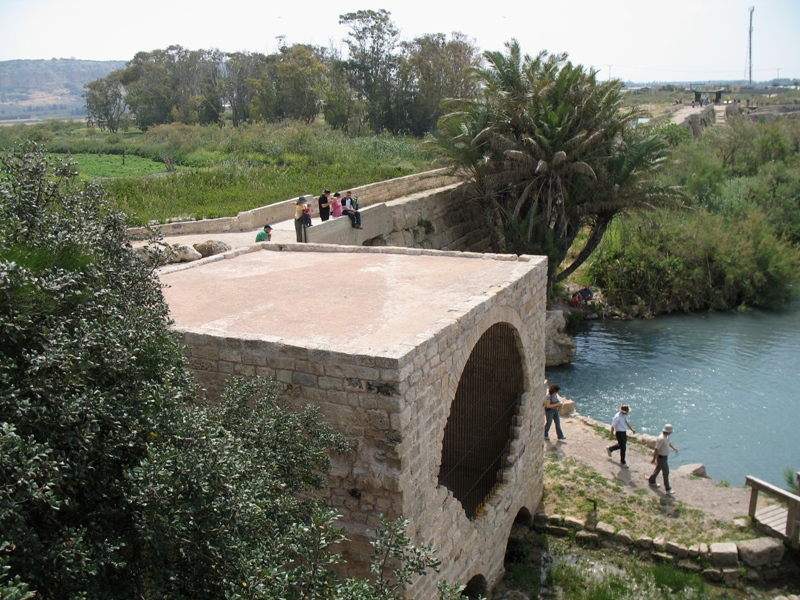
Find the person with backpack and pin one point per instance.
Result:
(350, 209)
(302, 218)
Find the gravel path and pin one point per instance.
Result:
(585, 445)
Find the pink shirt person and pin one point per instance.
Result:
(336, 205)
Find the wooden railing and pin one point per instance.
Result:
(774, 519)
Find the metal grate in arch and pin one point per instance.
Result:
(480, 426)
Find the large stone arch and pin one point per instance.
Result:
(480, 426)
(391, 387)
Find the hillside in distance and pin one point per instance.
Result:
(35, 90)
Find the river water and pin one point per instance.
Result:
(729, 383)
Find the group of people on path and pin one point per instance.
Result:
(619, 432)
(581, 296)
(330, 205)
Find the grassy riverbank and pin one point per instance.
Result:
(582, 482)
(571, 487)
(548, 566)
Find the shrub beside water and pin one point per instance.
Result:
(666, 262)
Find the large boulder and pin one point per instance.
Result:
(697, 469)
(185, 253)
(567, 407)
(211, 247)
(761, 551)
(559, 346)
(155, 254)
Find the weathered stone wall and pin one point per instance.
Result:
(473, 547)
(394, 411)
(696, 123)
(441, 219)
(560, 346)
(373, 193)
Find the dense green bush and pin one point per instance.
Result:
(113, 482)
(88, 367)
(667, 261)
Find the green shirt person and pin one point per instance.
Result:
(264, 235)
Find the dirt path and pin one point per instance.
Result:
(282, 232)
(585, 445)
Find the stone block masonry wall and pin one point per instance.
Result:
(698, 122)
(373, 193)
(470, 547)
(357, 395)
(394, 411)
(441, 219)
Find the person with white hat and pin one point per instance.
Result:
(660, 455)
(619, 430)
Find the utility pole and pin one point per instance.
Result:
(750, 48)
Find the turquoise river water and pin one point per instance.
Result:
(729, 384)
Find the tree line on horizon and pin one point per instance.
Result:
(384, 84)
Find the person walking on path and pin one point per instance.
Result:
(551, 404)
(660, 455)
(619, 429)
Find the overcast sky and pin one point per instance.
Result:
(638, 40)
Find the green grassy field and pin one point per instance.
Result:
(220, 171)
(93, 166)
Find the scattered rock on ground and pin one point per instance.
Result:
(185, 254)
(698, 470)
(211, 247)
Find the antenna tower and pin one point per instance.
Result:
(750, 48)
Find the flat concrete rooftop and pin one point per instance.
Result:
(381, 301)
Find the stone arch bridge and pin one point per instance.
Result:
(431, 362)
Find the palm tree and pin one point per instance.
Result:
(551, 150)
